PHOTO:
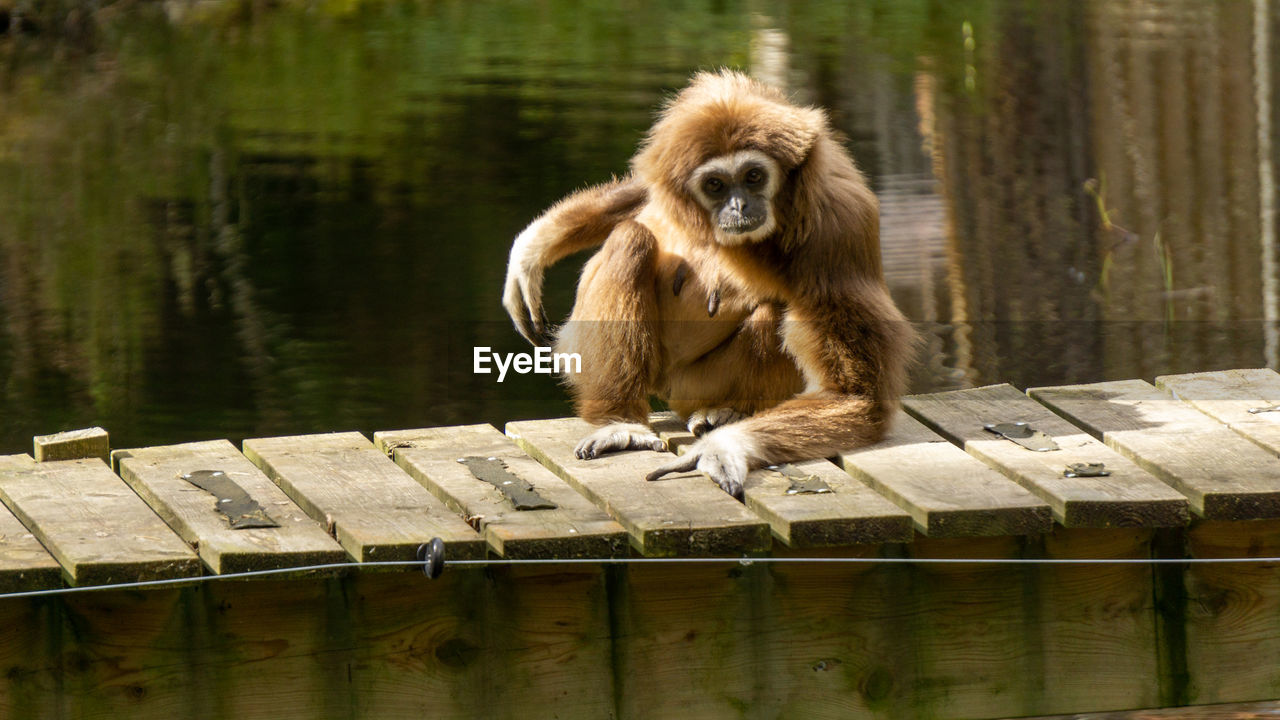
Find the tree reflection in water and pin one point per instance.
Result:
(222, 220)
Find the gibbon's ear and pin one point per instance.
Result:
(830, 218)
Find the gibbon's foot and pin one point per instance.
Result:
(702, 422)
(724, 454)
(615, 437)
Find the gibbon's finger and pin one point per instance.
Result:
(536, 317)
(524, 325)
(684, 463)
(513, 300)
(542, 328)
(531, 323)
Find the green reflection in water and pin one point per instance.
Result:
(223, 221)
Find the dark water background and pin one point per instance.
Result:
(236, 219)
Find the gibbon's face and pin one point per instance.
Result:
(737, 191)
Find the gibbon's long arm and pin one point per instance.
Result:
(581, 221)
(851, 352)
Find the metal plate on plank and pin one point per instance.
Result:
(1024, 435)
(1131, 497)
(516, 489)
(802, 483)
(1078, 470)
(242, 511)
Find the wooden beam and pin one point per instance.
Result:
(1247, 401)
(660, 640)
(94, 525)
(1225, 476)
(371, 506)
(496, 643)
(1228, 610)
(948, 492)
(73, 445)
(680, 515)
(573, 528)
(156, 474)
(1129, 497)
(851, 513)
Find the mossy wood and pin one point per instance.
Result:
(948, 492)
(812, 640)
(156, 474)
(851, 513)
(99, 531)
(1128, 497)
(374, 509)
(683, 514)
(573, 528)
(1225, 476)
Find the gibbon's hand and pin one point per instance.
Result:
(522, 293)
(615, 437)
(720, 454)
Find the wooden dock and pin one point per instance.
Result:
(1183, 470)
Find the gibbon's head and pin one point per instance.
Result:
(721, 153)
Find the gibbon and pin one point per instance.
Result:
(739, 281)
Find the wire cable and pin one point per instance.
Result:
(426, 564)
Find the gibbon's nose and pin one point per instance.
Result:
(737, 204)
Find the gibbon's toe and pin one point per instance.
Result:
(734, 488)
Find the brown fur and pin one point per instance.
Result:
(615, 311)
(585, 219)
(807, 303)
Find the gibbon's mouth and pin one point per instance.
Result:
(741, 227)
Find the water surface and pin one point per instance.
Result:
(223, 219)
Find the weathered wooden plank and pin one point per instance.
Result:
(1225, 476)
(1099, 642)
(851, 513)
(373, 508)
(834, 640)
(73, 445)
(1046, 636)
(1229, 395)
(1229, 613)
(573, 528)
(24, 563)
(947, 491)
(99, 531)
(803, 640)
(681, 515)
(155, 473)
(500, 643)
(1129, 497)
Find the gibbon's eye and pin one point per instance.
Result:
(754, 176)
(712, 185)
